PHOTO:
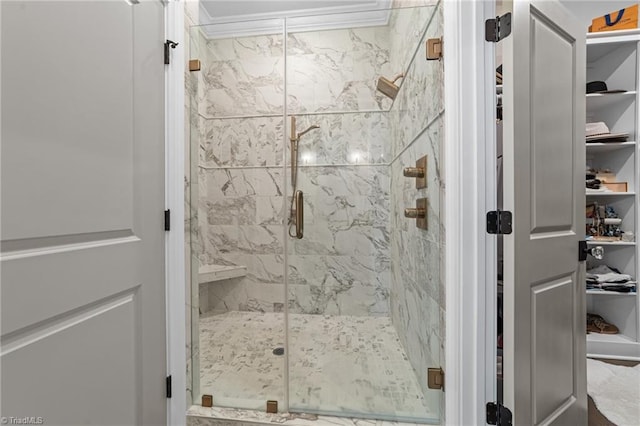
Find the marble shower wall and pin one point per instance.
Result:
(342, 265)
(243, 76)
(240, 171)
(240, 212)
(417, 280)
(407, 25)
(337, 70)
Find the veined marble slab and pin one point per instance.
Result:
(211, 273)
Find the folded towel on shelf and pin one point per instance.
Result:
(619, 288)
(604, 274)
(597, 128)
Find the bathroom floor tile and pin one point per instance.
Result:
(339, 365)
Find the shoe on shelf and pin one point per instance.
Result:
(597, 324)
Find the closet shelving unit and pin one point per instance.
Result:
(614, 57)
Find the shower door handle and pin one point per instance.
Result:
(299, 214)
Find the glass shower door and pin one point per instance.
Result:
(236, 201)
(345, 320)
(365, 303)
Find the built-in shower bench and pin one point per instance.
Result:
(212, 273)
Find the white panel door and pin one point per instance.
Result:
(544, 163)
(82, 182)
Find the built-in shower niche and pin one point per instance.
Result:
(352, 304)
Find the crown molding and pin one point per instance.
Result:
(373, 13)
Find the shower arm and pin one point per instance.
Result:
(397, 77)
(294, 138)
(307, 130)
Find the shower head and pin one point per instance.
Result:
(388, 87)
(307, 130)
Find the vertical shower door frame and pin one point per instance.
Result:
(470, 180)
(174, 201)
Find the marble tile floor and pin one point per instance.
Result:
(339, 365)
(216, 416)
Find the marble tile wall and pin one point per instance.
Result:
(417, 281)
(342, 264)
(356, 138)
(243, 76)
(407, 23)
(337, 70)
(241, 216)
(327, 71)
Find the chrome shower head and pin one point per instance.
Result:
(388, 87)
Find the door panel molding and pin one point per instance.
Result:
(557, 414)
(20, 249)
(45, 329)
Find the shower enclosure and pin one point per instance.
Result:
(309, 286)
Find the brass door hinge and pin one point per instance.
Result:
(194, 65)
(434, 49)
(272, 406)
(207, 401)
(435, 378)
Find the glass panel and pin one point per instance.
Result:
(365, 298)
(364, 306)
(237, 198)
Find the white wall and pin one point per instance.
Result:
(587, 10)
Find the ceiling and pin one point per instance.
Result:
(235, 18)
(236, 9)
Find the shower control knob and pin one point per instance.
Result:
(419, 172)
(419, 213)
(414, 172)
(415, 213)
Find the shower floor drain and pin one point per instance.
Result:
(278, 351)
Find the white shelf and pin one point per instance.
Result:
(607, 37)
(608, 147)
(612, 243)
(213, 273)
(610, 194)
(604, 100)
(610, 293)
(609, 338)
